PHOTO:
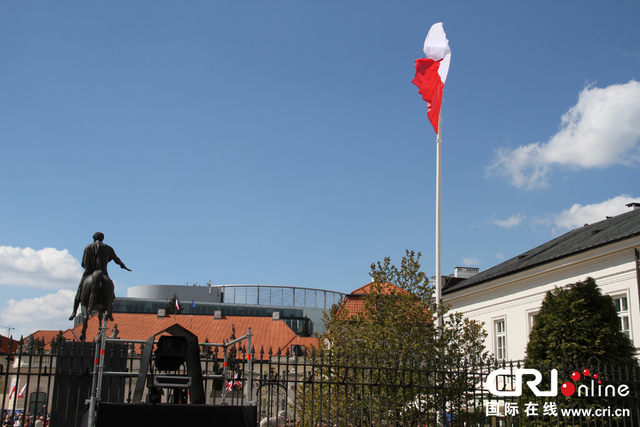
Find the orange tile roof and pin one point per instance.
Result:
(4, 346)
(48, 336)
(362, 290)
(266, 333)
(306, 342)
(385, 289)
(353, 303)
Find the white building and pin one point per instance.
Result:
(508, 296)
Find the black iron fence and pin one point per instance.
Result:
(325, 389)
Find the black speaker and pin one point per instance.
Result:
(170, 353)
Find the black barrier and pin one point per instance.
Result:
(317, 389)
(171, 415)
(73, 380)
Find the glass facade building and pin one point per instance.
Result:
(300, 308)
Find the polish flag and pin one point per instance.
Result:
(431, 72)
(234, 383)
(13, 390)
(21, 394)
(177, 305)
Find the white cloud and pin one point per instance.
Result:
(602, 129)
(579, 215)
(49, 312)
(47, 268)
(509, 222)
(471, 262)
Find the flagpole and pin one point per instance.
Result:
(431, 74)
(438, 219)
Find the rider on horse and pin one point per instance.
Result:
(96, 256)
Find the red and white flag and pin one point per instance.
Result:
(431, 72)
(177, 304)
(234, 383)
(21, 394)
(13, 390)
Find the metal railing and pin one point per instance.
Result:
(326, 389)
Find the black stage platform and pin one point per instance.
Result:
(172, 415)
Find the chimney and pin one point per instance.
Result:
(633, 206)
(466, 272)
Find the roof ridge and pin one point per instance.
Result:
(610, 230)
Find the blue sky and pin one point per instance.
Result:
(283, 143)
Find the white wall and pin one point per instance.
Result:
(516, 297)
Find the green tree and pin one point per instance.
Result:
(38, 346)
(578, 325)
(56, 342)
(305, 328)
(170, 308)
(205, 349)
(398, 315)
(393, 326)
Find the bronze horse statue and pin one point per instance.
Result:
(95, 290)
(97, 294)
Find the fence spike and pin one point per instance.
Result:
(424, 384)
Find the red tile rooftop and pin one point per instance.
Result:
(353, 304)
(4, 345)
(48, 336)
(266, 333)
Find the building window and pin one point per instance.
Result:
(532, 319)
(37, 403)
(500, 332)
(622, 307)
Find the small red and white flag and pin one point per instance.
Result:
(431, 72)
(21, 394)
(13, 390)
(234, 383)
(177, 305)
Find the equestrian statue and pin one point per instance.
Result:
(96, 290)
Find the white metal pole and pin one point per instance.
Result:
(103, 344)
(438, 219)
(98, 365)
(249, 399)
